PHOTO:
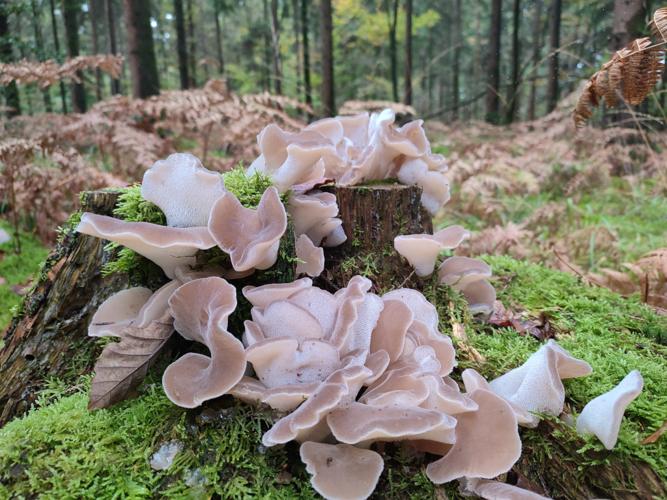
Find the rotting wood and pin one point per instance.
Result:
(49, 338)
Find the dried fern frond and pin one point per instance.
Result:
(659, 24)
(46, 73)
(630, 75)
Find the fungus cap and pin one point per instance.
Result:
(422, 250)
(250, 237)
(183, 189)
(602, 416)
(311, 257)
(341, 471)
(168, 247)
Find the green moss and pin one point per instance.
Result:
(248, 188)
(613, 334)
(16, 270)
(66, 450)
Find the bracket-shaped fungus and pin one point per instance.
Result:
(200, 310)
(487, 442)
(536, 385)
(250, 237)
(183, 189)
(314, 214)
(341, 472)
(602, 416)
(118, 311)
(311, 258)
(469, 276)
(168, 247)
(495, 490)
(422, 250)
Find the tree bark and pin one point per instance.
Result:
(275, 44)
(94, 20)
(307, 90)
(372, 217)
(407, 99)
(493, 65)
(628, 22)
(111, 29)
(456, 63)
(181, 45)
(56, 46)
(192, 56)
(554, 46)
(513, 90)
(297, 45)
(326, 32)
(6, 55)
(537, 49)
(141, 52)
(39, 45)
(267, 50)
(218, 38)
(71, 11)
(50, 339)
(392, 17)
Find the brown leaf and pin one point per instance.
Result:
(656, 435)
(123, 365)
(503, 317)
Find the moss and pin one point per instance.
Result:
(66, 450)
(133, 207)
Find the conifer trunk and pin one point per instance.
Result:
(275, 44)
(326, 32)
(181, 45)
(6, 55)
(111, 29)
(493, 65)
(407, 99)
(554, 46)
(141, 51)
(537, 48)
(307, 90)
(513, 90)
(218, 38)
(71, 10)
(39, 45)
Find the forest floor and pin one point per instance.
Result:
(531, 194)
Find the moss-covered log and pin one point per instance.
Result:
(48, 336)
(372, 216)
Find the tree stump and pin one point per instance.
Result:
(49, 338)
(372, 217)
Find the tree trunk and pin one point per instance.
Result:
(493, 64)
(297, 45)
(326, 32)
(39, 45)
(141, 52)
(628, 22)
(392, 16)
(456, 63)
(50, 339)
(218, 38)
(513, 90)
(554, 37)
(307, 90)
(6, 56)
(56, 46)
(267, 50)
(111, 29)
(71, 11)
(408, 53)
(275, 44)
(192, 56)
(94, 20)
(181, 45)
(537, 49)
(369, 249)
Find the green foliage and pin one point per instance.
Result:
(247, 188)
(132, 207)
(17, 270)
(615, 335)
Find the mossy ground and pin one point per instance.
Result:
(62, 450)
(17, 269)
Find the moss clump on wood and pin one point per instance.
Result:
(64, 449)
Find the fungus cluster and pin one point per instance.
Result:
(347, 369)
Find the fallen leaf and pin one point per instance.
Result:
(656, 435)
(123, 365)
